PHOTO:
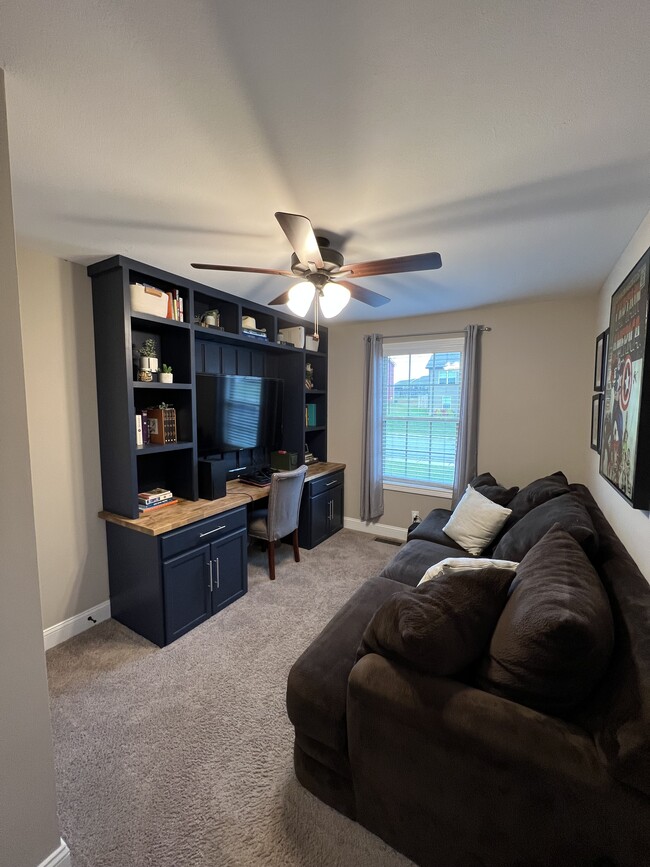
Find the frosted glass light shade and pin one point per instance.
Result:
(300, 297)
(333, 299)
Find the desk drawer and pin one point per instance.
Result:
(202, 532)
(326, 483)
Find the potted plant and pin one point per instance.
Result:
(149, 355)
(166, 374)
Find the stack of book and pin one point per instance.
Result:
(255, 332)
(156, 498)
(310, 415)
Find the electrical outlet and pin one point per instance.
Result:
(415, 516)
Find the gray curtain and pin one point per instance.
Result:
(372, 489)
(467, 449)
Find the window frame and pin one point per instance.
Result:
(421, 346)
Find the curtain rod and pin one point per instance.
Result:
(435, 333)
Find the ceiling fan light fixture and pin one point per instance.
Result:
(300, 297)
(333, 298)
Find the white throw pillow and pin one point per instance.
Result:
(475, 521)
(461, 564)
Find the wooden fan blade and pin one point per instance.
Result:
(399, 265)
(245, 270)
(281, 299)
(365, 295)
(301, 236)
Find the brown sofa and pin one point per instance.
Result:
(450, 774)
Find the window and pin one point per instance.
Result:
(421, 401)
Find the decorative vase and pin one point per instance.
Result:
(149, 362)
(166, 377)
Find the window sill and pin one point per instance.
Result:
(440, 493)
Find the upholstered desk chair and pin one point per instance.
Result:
(281, 517)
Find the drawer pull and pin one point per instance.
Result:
(210, 532)
(329, 484)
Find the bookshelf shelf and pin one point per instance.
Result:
(179, 386)
(153, 449)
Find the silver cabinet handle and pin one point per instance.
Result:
(210, 532)
(217, 564)
(329, 484)
(210, 566)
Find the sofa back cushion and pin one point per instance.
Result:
(487, 485)
(535, 494)
(618, 713)
(444, 625)
(555, 636)
(566, 510)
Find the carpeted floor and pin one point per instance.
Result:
(182, 757)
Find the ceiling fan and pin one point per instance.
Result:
(322, 272)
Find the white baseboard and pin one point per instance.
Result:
(59, 858)
(386, 530)
(54, 635)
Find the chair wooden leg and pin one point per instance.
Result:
(271, 549)
(296, 549)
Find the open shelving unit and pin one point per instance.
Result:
(190, 347)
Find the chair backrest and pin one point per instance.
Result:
(284, 502)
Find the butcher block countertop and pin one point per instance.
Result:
(188, 511)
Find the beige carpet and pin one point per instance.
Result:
(182, 757)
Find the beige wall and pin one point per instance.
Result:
(535, 394)
(56, 306)
(28, 821)
(632, 525)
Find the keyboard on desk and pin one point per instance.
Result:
(260, 478)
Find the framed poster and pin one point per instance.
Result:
(599, 361)
(596, 419)
(624, 454)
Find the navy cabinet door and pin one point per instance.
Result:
(186, 581)
(320, 516)
(229, 570)
(336, 510)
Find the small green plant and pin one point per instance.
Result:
(148, 348)
(166, 368)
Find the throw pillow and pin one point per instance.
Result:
(455, 565)
(443, 626)
(536, 493)
(475, 521)
(555, 636)
(487, 485)
(566, 510)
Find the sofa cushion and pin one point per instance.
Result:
(413, 559)
(566, 510)
(442, 626)
(318, 680)
(430, 529)
(475, 521)
(555, 636)
(487, 485)
(535, 494)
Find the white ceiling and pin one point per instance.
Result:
(512, 136)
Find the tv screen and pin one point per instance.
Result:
(238, 412)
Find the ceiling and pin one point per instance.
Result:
(512, 136)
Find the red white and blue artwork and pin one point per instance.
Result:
(624, 445)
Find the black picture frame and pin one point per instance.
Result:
(600, 360)
(624, 453)
(596, 421)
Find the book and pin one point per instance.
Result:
(138, 430)
(154, 494)
(144, 510)
(145, 427)
(162, 425)
(152, 501)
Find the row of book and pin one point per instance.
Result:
(175, 306)
(156, 425)
(156, 498)
(310, 415)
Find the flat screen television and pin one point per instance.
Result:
(238, 412)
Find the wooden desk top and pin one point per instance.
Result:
(188, 511)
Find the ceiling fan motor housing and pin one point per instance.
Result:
(332, 258)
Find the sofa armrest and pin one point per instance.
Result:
(432, 753)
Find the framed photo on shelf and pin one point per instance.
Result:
(596, 421)
(624, 452)
(599, 361)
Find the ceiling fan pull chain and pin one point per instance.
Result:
(316, 336)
